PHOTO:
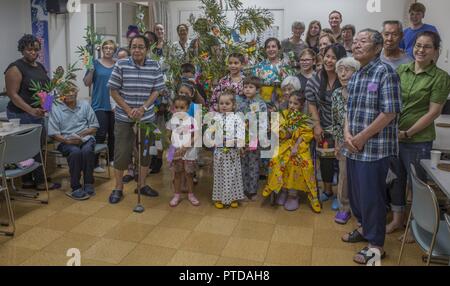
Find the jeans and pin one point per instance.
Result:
(106, 122)
(37, 176)
(409, 153)
(80, 159)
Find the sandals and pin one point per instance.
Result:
(366, 256)
(354, 237)
(193, 200)
(175, 200)
(218, 205)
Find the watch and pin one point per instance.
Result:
(146, 108)
(406, 134)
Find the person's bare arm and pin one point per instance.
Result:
(318, 131)
(87, 132)
(89, 78)
(62, 139)
(139, 112)
(120, 102)
(433, 112)
(13, 78)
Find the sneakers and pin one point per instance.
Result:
(281, 198)
(175, 200)
(147, 191)
(193, 200)
(78, 194)
(291, 203)
(342, 217)
(89, 189)
(127, 178)
(99, 169)
(116, 196)
(335, 204)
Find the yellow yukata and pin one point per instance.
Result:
(293, 172)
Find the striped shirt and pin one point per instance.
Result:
(322, 100)
(374, 89)
(135, 84)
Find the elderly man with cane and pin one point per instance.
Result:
(135, 84)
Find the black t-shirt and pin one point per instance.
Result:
(29, 73)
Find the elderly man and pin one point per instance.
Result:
(335, 21)
(371, 141)
(416, 15)
(392, 54)
(74, 124)
(135, 84)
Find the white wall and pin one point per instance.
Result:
(15, 20)
(354, 12)
(437, 14)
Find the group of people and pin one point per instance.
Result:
(370, 97)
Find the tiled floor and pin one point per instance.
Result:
(253, 234)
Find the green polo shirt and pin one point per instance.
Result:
(418, 90)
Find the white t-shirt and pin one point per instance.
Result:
(183, 126)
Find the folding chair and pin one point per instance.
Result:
(4, 190)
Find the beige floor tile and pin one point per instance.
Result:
(85, 207)
(233, 213)
(332, 257)
(113, 212)
(46, 259)
(326, 221)
(217, 225)
(254, 230)
(95, 226)
(230, 261)
(181, 220)
(71, 240)
(90, 262)
(293, 234)
(188, 258)
(60, 202)
(34, 217)
(166, 237)
(329, 238)
(296, 218)
(265, 214)
(204, 242)
(13, 255)
(129, 231)
(63, 221)
(246, 249)
(149, 255)
(109, 250)
(36, 238)
(149, 216)
(187, 207)
(20, 228)
(288, 254)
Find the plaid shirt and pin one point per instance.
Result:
(373, 90)
(135, 84)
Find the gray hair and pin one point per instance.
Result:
(348, 62)
(291, 80)
(393, 22)
(375, 36)
(298, 24)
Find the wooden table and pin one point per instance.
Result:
(22, 128)
(441, 178)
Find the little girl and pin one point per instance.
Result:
(233, 80)
(291, 169)
(182, 158)
(228, 187)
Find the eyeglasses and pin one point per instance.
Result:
(108, 48)
(137, 47)
(425, 47)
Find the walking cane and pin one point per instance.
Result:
(139, 208)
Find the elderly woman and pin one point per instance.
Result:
(290, 84)
(425, 88)
(271, 71)
(182, 45)
(294, 44)
(345, 68)
(18, 78)
(319, 90)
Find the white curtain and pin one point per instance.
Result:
(162, 14)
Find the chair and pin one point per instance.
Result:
(21, 147)
(447, 219)
(429, 231)
(4, 190)
(99, 149)
(4, 100)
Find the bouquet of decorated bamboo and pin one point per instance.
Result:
(45, 95)
(86, 52)
(294, 120)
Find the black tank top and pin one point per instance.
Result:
(29, 72)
